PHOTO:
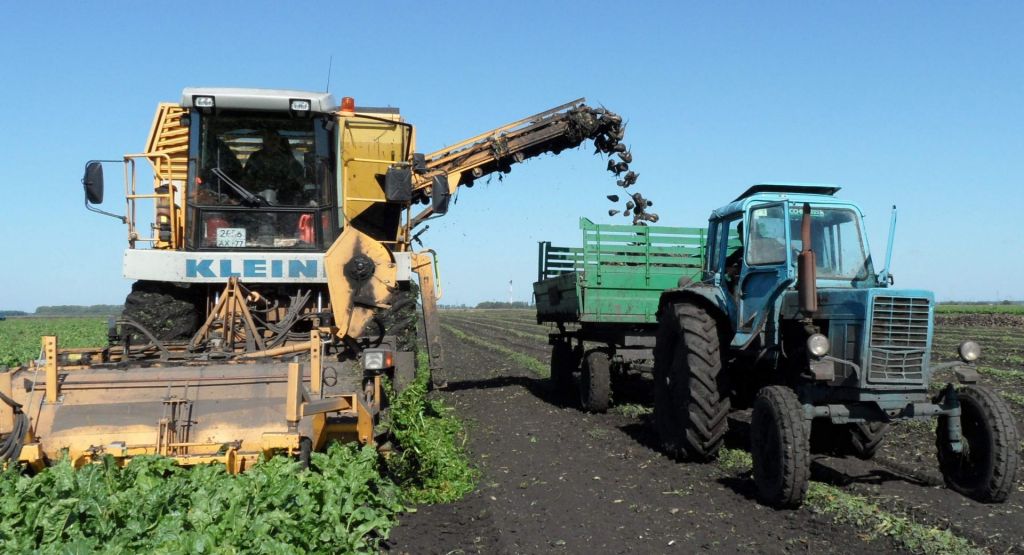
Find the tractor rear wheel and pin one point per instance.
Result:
(564, 361)
(865, 438)
(985, 468)
(596, 382)
(691, 397)
(779, 447)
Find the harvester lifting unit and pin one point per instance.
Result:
(273, 280)
(603, 299)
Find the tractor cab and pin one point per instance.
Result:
(755, 242)
(261, 169)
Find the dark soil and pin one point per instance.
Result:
(554, 479)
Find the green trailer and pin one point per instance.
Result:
(603, 299)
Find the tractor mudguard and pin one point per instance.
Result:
(705, 295)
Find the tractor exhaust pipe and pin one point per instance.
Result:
(807, 286)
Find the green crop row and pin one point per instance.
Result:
(979, 308)
(342, 505)
(19, 337)
(849, 508)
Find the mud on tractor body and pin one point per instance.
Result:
(791, 318)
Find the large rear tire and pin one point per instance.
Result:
(865, 438)
(985, 469)
(779, 447)
(596, 382)
(691, 401)
(168, 310)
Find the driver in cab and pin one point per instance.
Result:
(273, 171)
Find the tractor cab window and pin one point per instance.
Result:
(837, 240)
(767, 237)
(732, 240)
(261, 180)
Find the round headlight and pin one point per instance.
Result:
(969, 351)
(817, 345)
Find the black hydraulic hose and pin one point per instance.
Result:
(10, 447)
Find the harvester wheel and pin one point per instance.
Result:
(596, 382)
(564, 361)
(691, 400)
(779, 447)
(984, 470)
(168, 310)
(866, 438)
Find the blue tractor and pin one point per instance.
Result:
(791, 317)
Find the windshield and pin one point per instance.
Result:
(262, 180)
(258, 159)
(837, 241)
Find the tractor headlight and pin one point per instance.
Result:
(969, 351)
(377, 359)
(817, 345)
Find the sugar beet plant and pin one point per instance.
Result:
(342, 505)
(431, 463)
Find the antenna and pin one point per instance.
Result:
(329, 64)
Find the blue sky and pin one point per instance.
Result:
(913, 104)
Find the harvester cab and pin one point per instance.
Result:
(792, 319)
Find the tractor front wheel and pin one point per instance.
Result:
(779, 447)
(986, 465)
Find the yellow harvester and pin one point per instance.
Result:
(273, 270)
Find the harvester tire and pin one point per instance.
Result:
(564, 361)
(168, 310)
(985, 469)
(779, 447)
(596, 382)
(305, 451)
(865, 438)
(691, 399)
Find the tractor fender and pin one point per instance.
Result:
(707, 296)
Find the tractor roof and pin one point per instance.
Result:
(797, 188)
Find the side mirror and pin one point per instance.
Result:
(439, 195)
(92, 182)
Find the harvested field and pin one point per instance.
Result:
(555, 479)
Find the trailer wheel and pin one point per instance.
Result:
(564, 361)
(691, 402)
(865, 438)
(596, 382)
(779, 447)
(985, 469)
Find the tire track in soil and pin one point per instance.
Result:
(904, 477)
(556, 480)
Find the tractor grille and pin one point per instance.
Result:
(899, 340)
